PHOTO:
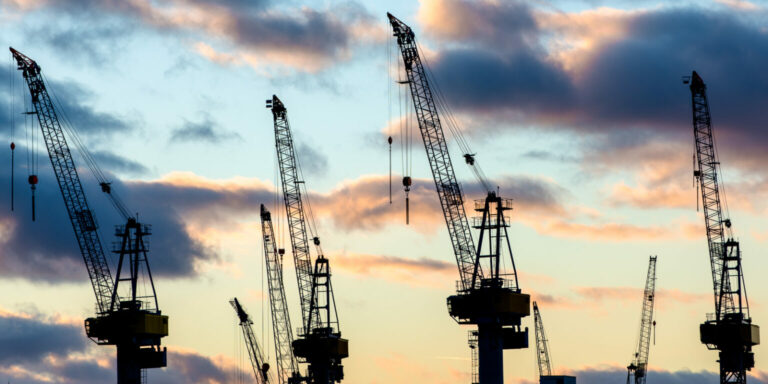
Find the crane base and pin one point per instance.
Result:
(729, 333)
(127, 325)
(503, 304)
(557, 380)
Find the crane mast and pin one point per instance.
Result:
(259, 364)
(126, 318)
(639, 366)
(320, 342)
(287, 365)
(542, 344)
(730, 329)
(487, 295)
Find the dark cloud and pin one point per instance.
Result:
(205, 130)
(28, 339)
(629, 83)
(487, 81)
(119, 164)
(45, 250)
(70, 101)
(302, 38)
(29, 342)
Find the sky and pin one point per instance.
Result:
(575, 109)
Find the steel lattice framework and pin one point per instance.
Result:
(448, 188)
(730, 329)
(483, 285)
(259, 364)
(131, 321)
(542, 344)
(287, 365)
(320, 343)
(80, 214)
(291, 182)
(639, 366)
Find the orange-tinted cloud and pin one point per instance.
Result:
(417, 272)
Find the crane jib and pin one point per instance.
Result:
(78, 210)
(447, 186)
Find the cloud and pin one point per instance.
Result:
(597, 72)
(96, 45)
(206, 130)
(417, 272)
(595, 375)
(494, 23)
(29, 338)
(259, 33)
(117, 163)
(312, 160)
(70, 101)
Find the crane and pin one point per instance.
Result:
(488, 296)
(259, 364)
(320, 342)
(638, 369)
(730, 329)
(287, 364)
(542, 353)
(128, 318)
(542, 344)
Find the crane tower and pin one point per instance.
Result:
(128, 318)
(729, 330)
(320, 342)
(542, 353)
(287, 364)
(259, 364)
(488, 296)
(638, 369)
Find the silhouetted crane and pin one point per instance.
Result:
(638, 369)
(259, 364)
(320, 342)
(730, 329)
(488, 296)
(127, 318)
(287, 364)
(542, 353)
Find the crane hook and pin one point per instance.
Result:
(33, 184)
(407, 184)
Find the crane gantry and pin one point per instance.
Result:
(258, 363)
(127, 318)
(287, 364)
(320, 343)
(488, 296)
(730, 329)
(638, 368)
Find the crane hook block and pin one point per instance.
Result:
(106, 187)
(316, 240)
(407, 182)
(13, 146)
(32, 180)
